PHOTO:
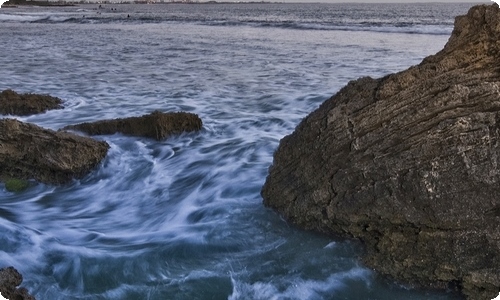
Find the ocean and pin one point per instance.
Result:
(183, 218)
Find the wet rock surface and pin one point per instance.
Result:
(28, 151)
(10, 279)
(12, 103)
(157, 125)
(409, 164)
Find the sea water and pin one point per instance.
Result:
(183, 218)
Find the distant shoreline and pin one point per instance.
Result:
(16, 3)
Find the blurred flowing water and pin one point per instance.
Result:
(183, 218)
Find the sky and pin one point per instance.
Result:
(390, 1)
(370, 1)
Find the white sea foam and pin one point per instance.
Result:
(20, 18)
(297, 288)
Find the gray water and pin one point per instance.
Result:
(183, 218)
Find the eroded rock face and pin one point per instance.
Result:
(156, 125)
(10, 279)
(409, 164)
(12, 103)
(31, 152)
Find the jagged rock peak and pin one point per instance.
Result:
(409, 164)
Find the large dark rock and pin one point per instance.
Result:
(12, 103)
(156, 125)
(409, 164)
(10, 279)
(31, 152)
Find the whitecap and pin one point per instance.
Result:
(20, 18)
(297, 288)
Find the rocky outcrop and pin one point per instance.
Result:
(156, 125)
(409, 164)
(10, 279)
(31, 152)
(12, 103)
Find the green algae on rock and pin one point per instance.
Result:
(16, 185)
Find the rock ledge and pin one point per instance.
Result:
(31, 152)
(156, 125)
(12, 103)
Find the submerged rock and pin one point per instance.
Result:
(31, 152)
(12, 103)
(10, 279)
(409, 164)
(156, 125)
